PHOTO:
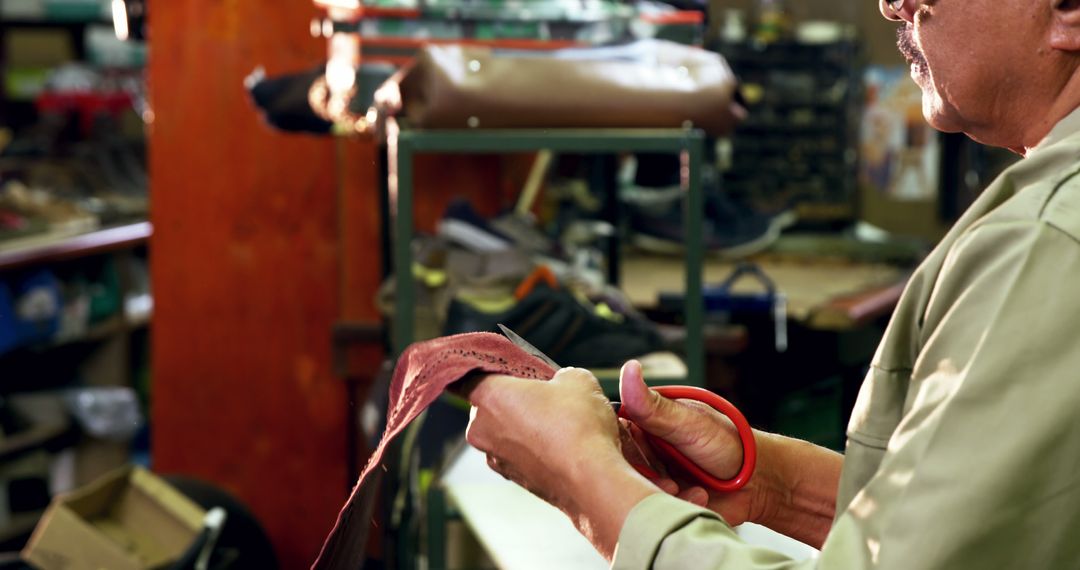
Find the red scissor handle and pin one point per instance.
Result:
(669, 453)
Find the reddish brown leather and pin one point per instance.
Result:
(423, 371)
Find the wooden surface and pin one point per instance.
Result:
(263, 240)
(518, 530)
(52, 247)
(521, 532)
(825, 293)
(246, 272)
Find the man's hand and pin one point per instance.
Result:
(538, 433)
(702, 434)
(793, 488)
(560, 440)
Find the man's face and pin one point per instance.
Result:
(977, 61)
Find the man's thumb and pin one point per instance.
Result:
(650, 411)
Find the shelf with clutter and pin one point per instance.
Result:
(75, 301)
(579, 141)
(75, 313)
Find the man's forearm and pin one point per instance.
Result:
(799, 482)
(797, 486)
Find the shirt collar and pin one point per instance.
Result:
(1066, 128)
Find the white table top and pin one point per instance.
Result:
(518, 530)
(521, 532)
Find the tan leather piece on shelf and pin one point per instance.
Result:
(650, 84)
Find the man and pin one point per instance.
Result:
(964, 446)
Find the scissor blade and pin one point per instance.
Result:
(528, 347)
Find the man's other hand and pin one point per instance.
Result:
(702, 434)
(560, 440)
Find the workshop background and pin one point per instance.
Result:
(215, 235)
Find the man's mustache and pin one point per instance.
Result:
(905, 40)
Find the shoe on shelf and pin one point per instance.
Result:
(729, 229)
(442, 272)
(524, 233)
(463, 226)
(570, 330)
(652, 197)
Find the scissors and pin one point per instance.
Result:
(667, 451)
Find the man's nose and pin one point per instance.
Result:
(905, 12)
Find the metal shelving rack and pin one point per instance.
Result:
(688, 143)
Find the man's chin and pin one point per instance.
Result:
(936, 113)
(933, 106)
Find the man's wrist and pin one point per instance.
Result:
(795, 487)
(769, 483)
(604, 488)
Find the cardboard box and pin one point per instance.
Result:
(127, 520)
(77, 460)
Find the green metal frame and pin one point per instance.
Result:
(687, 142)
(602, 141)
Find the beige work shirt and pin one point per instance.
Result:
(964, 446)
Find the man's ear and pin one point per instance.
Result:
(1065, 25)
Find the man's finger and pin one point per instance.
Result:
(475, 432)
(667, 485)
(480, 389)
(649, 410)
(695, 495)
(630, 448)
(577, 376)
(646, 449)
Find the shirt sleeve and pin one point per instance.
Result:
(983, 470)
(663, 532)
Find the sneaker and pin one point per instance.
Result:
(463, 226)
(442, 272)
(728, 229)
(524, 233)
(571, 331)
